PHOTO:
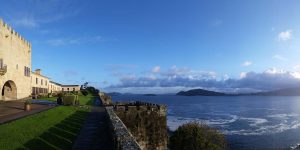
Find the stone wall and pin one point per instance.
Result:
(106, 99)
(123, 140)
(15, 53)
(146, 122)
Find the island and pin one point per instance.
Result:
(200, 92)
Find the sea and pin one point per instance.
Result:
(248, 122)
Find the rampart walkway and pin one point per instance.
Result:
(95, 134)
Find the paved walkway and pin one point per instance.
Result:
(95, 133)
(13, 110)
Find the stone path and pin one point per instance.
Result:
(95, 134)
(13, 110)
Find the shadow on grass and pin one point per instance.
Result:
(61, 136)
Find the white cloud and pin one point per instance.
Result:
(156, 69)
(28, 22)
(279, 57)
(74, 41)
(243, 74)
(296, 74)
(285, 35)
(275, 71)
(226, 77)
(247, 63)
(48, 12)
(296, 67)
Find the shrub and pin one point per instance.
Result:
(60, 94)
(50, 95)
(197, 136)
(54, 94)
(75, 92)
(41, 96)
(69, 99)
(84, 92)
(27, 102)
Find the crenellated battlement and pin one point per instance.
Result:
(8, 31)
(140, 106)
(147, 122)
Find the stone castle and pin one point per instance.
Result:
(17, 81)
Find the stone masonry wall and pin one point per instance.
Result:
(123, 139)
(146, 122)
(15, 52)
(106, 99)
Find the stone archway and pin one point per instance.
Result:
(9, 91)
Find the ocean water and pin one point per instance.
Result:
(249, 122)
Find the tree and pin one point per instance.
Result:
(197, 136)
(85, 85)
(84, 92)
(86, 89)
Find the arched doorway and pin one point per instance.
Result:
(9, 91)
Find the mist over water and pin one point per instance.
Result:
(249, 122)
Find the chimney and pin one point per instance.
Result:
(38, 71)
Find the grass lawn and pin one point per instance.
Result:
(56, 128)
(53, 129)
(83, 100)
(86, 100)
(48, 98)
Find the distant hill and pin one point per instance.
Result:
(200, 92)
(114, 94)
(281, 92)
(149, 94)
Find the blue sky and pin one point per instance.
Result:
(162, 46)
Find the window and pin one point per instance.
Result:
(68, 89)
(33, 90)
(73, 89)
(26, 71)
(36, 81)
(1, 63)
(62, 89)
(41, 81)
(46, 82)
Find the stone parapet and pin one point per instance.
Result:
(123, 140)
(147, 123)
(105, 99)
(139, 106)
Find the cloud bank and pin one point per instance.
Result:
(176, 79)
